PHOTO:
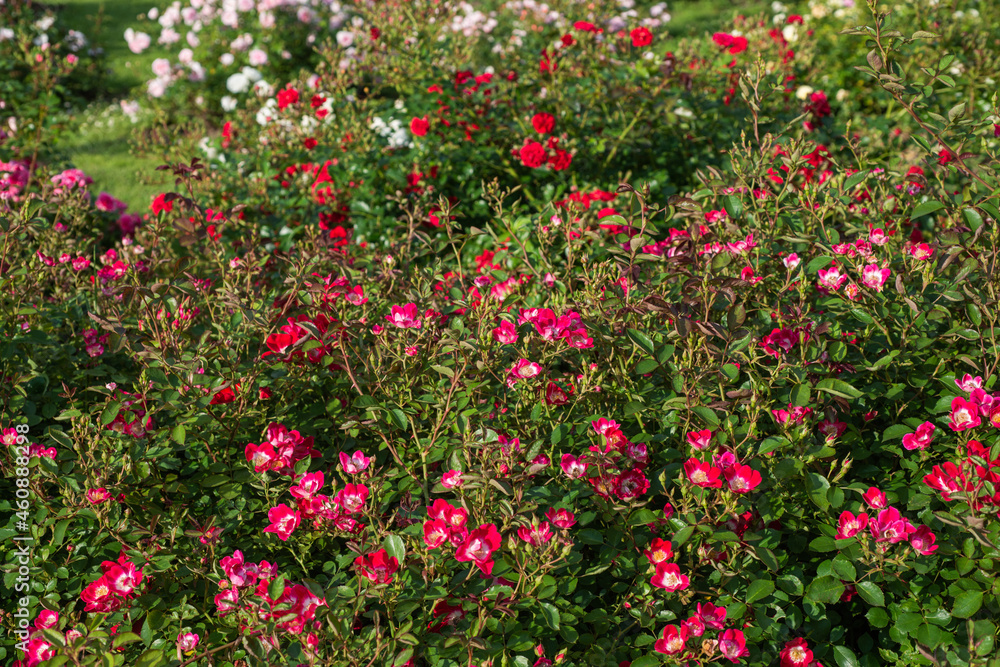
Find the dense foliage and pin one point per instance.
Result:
(521, 336)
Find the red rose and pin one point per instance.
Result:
(533, 154)
(543, 123)
(641, 37)
(418, 126)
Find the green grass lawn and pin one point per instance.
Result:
(103, 151)
(690, 18)
(105, 23)
(98, 142)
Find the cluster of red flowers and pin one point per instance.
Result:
(281, 451)
(534, 155)
(783, 340)
(246, 587)
(740, 477)
(568, 327)
(888, 527)
(291, 334)
(818, 108)
(731, 643)
(619, 463)
(131, 419)
(976, 478)
(969, 414)
(447, 523)
(39, 649)
(734, 44)
(377, 566)
(114, 588)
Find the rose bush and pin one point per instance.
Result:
(427, 366)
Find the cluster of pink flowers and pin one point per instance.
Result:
(377, 566)
(740, 477)
(105, 202)
(341, 287)
(281, 451)
(292, 333)
(447, 523)
(14, 176)
(110, 274)
(40, 649)
(568, 326)
(793, 416)
(619, 463)
(131, 419)
(246, 586)
(784, 340)
(114, 588)
(888, 526)
(969, 414)
(731, 643)
(69, 180)
(972, 478)
(9, 437)
(318, 508)
(94, 342)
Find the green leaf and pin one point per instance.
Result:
(399, 418)
(444, 370)
(844, 568)
(871, 593)
(967, 603)
(759, 590)
(707, 415)
(680, 537)
(973, 217)
(730, 371)
(646, 366)
(641, 340)
(975, 316)
(648, 660)
(838, 388)
(791, 584)
(178, 434)
(152, 658)
(68, 414)
(825, 589)
(59, 436)
(818, 263)
(878, 617)
(733, 206)
(551, 615)
(817, 486)
(854, 179)
(801, 395)
(925, 208)
(126, 638)
(59, 532)
(109, 412)
(895, 432)
(641, 517)
(862, 316)
(276, 587)
(845, 657)
(395, 547)
(907, 622)
(823, 544)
